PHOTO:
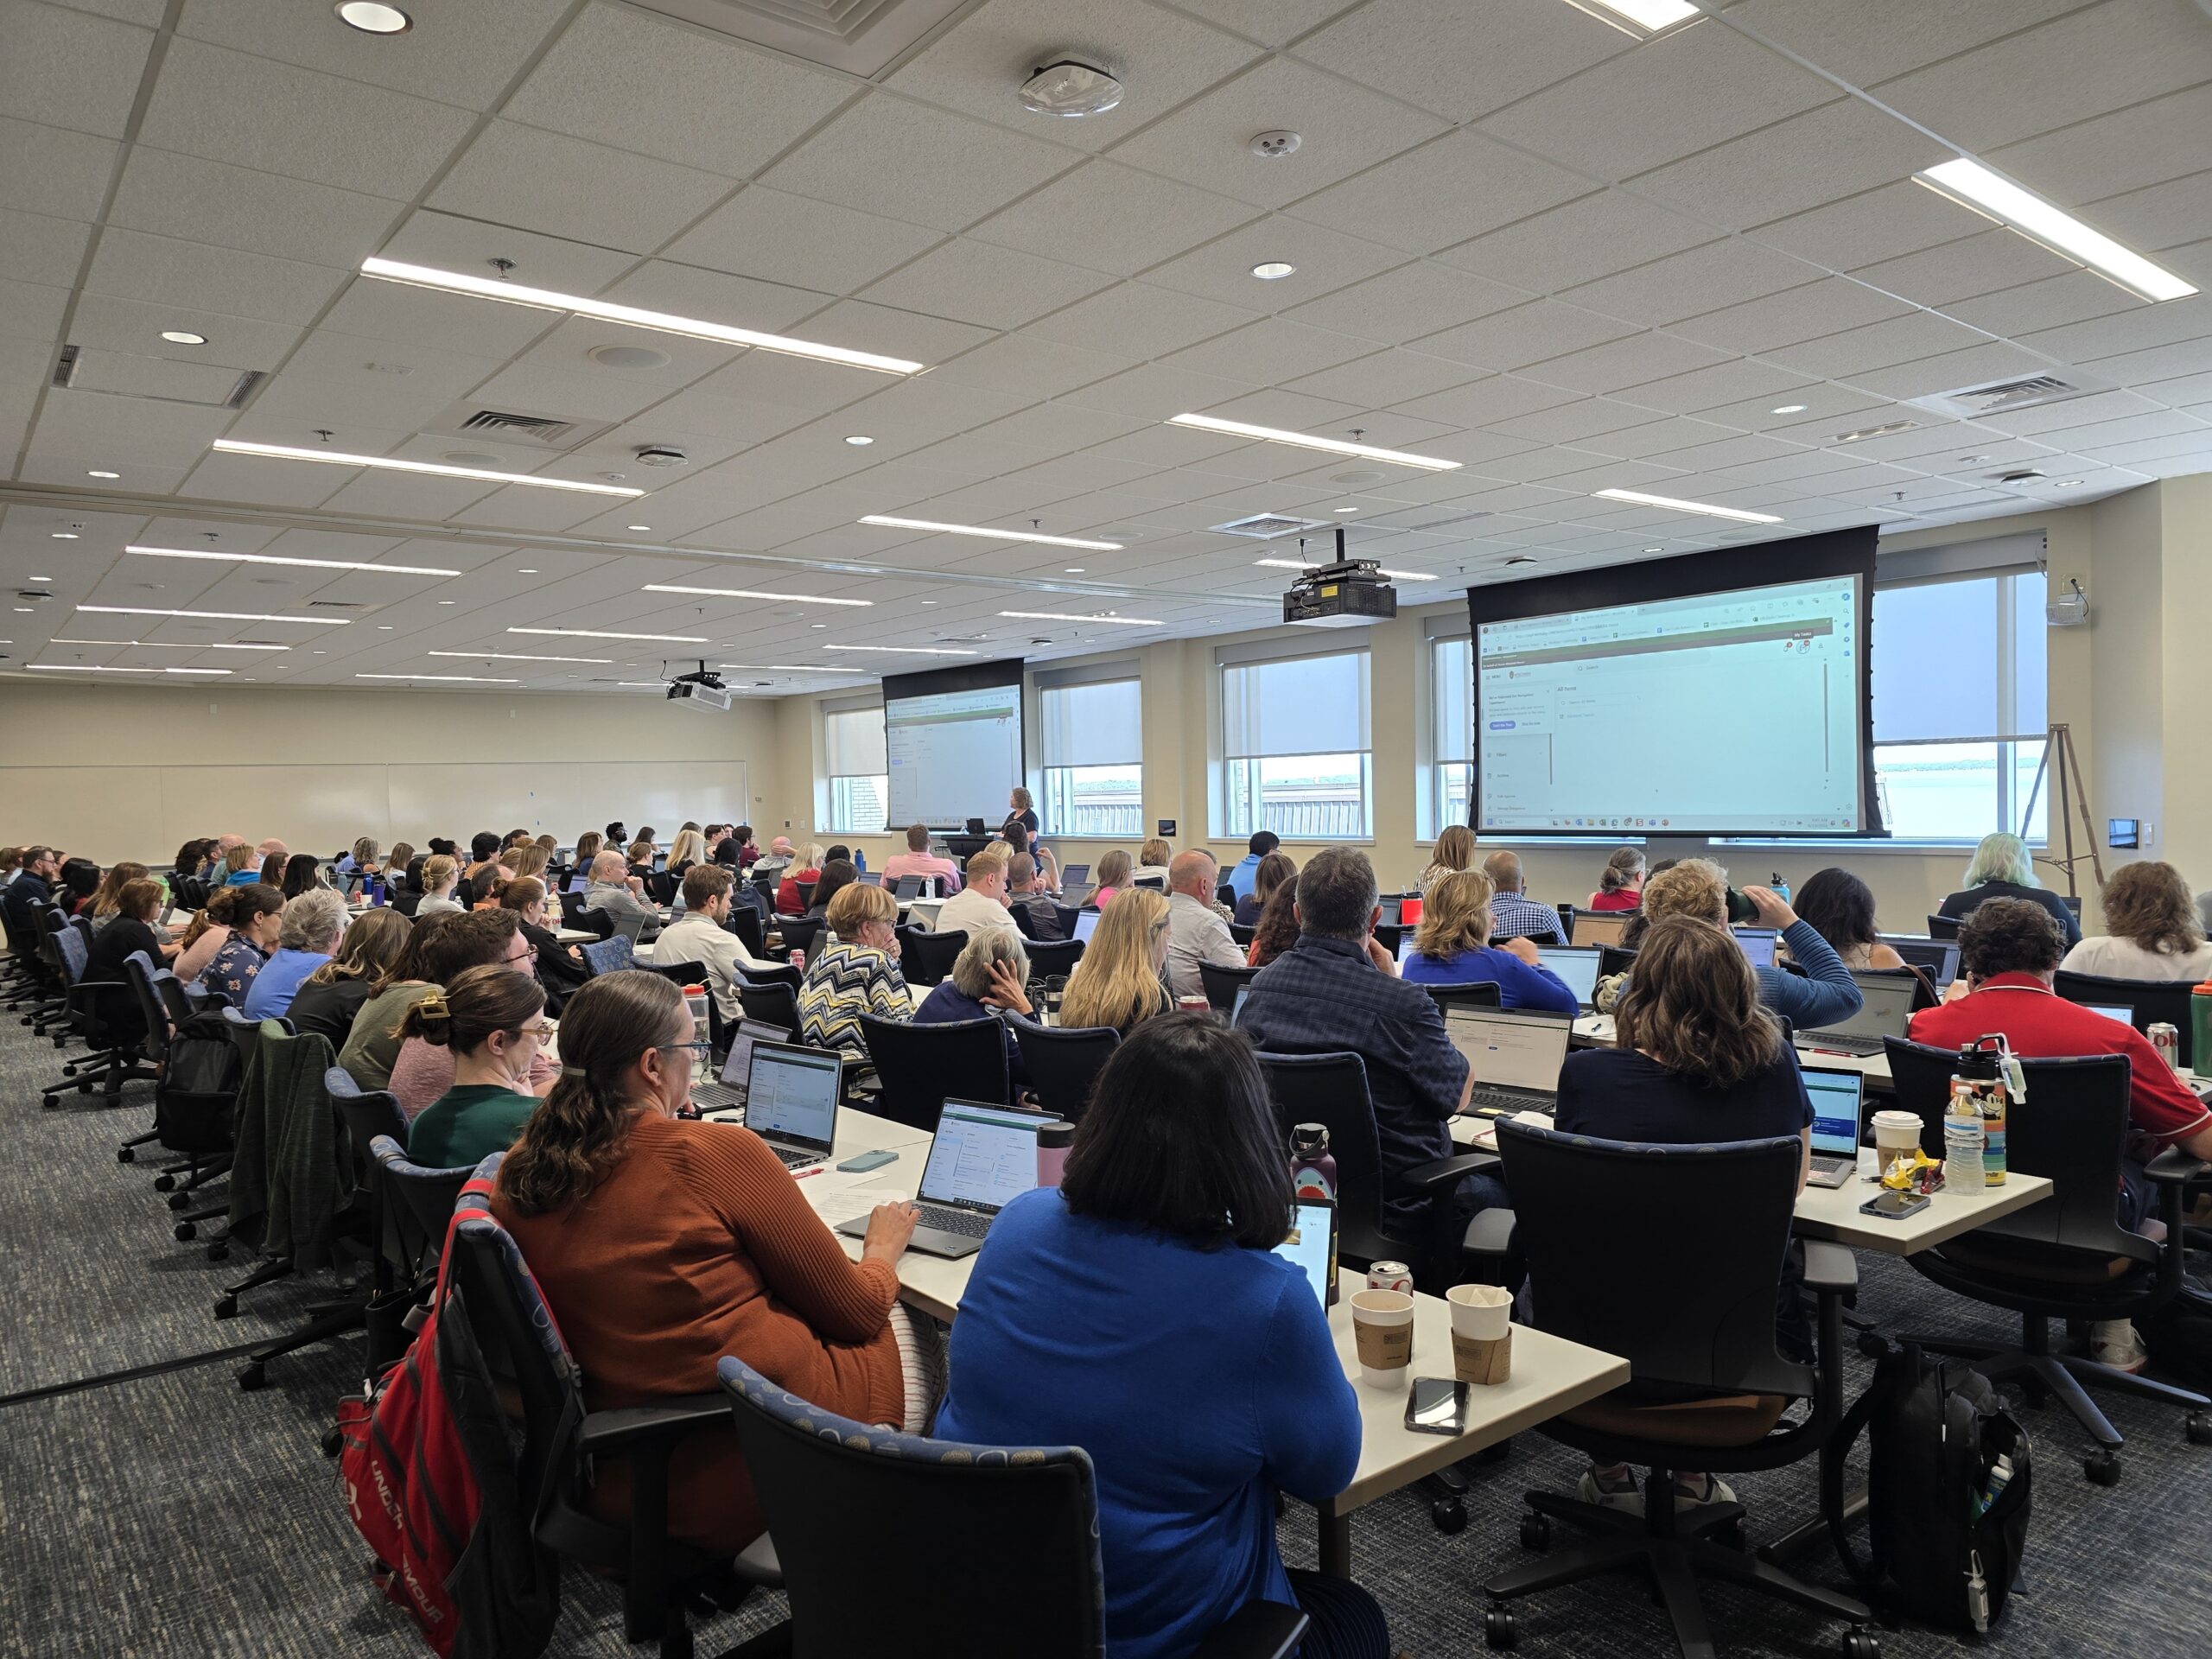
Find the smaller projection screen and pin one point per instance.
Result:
(954, 740)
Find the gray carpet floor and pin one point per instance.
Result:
(171, 1515)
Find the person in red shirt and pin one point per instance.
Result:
(1621, 888)
(2009, 951)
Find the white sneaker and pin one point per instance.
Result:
(2114, 1343)
(1620, 1494)
(1714, 1491)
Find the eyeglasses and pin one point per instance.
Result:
(528, 955)
(543, 1031)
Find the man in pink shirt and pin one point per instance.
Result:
(916, 861)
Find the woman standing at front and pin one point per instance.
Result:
(1137, 1311)
(664, 1244)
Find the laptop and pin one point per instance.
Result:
(727, 1092)
(578, 882)
(1405, 946)
(1073, 876)
(906, 888)
(1937, 958)
(871, 878)
(1311, 1246)
(2124, 1015)
(1837, 1096)
(1086, 923)
(975, 827)
(1578, 967)
(791, 1099)
(1236, 1008)
(1885, 1010)
(1757, 944)
(1516, 1058)
(983, 1157)
(1598, 927)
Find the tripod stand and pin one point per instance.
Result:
(2060, 743)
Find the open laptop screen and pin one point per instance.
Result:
(1307, 1246)
(1086, 923)
(1579, 969)
(2124, 1015)
(791, 1093)
(1510, 1051)
(1884, 1007)
(1236, 1008)
(1757, 945)
(1073, 876)
(737, 1064)
(1835, 1111)
(982, 1157)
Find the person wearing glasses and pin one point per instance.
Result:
(491, 1020)
(422, 1071)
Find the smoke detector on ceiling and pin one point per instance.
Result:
(661, 454)
(1071, 90)
(1272, 144)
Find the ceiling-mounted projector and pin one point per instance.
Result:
(1347, 593)
(704, 689)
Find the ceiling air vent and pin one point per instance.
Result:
(2003, 397)
(1442, 524)
(339, 605)
(536, 429)
(1267, 526)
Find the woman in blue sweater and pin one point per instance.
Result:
(1453, 947)
(1819, 997)
(1137, 1311)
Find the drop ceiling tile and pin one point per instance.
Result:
(1658, 437)
(890, 332)
(70, 69)
(1486, 402)
(904, 160)
(2194, 448)
(1872, 41)
(563, 187)
(989, 286)
(1139, 317)
(2074, 295)
(1586, 421)
(2166, 216)
(1967, 269)
(1800, 314)
(1222, 268)
(328, 382)
(618, 77)
(413, 323)
(2147, 144)
(2183, 391)
(1624, 363)
(37, 248)
(2135, 428)
(1804, 163)
(1527, 333)
(2138, 329)
(194, 277)
(1417, 298)
(1602, 233)
(139, 430)
(1022, 363)
(1951, 370)
(272, 117)
(33, 311)
(465, 56)
(772, 382)
(1667, 99)
(2071, 413)
(1385, 380)
(1423, 51)
(1691, 283)
(1898, 218)
(1161, 58)
(1344, 127)
(1114, 217)
(1726, 383)
(1269, 351)
(103, 322)
(51, 171)
(785, 238)
(1452, 190)
(1854, 352)
(688, 291)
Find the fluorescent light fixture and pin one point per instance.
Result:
(1648, 18)
(453, 679)
(1669, 502)
(1066, 616)
(782, 668)
(97, 668)
(1786, 408)
(749, 593)
(593, 634)
(218, 616)
(1977, 187)
(1307, 440)
(271, 558)
(889, 522)
(162, 645)
(489, 288)
(64, 535)
(907, 651)
(98, 473)
(435, 469)
(1298, 565)
(517, 657)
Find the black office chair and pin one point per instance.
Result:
(1388, 935)
(1224, 892)
(927, 958)
(680, 973)
(1944, 927)
(407, 903)
(1672, 1256)
(919, 1067)
(772, 1004)
(2149, 1000)
(572, 907)
(609, 956)
(1547, 940)
(1614, 959)
(596, 922)
(799, 933)
(1222, 984)
(1474, 994)
(1243, 935)
(154, 1039)
(1016, 1528)
(1063, 1063)
(369, 1114)
(1067, 913)
(781, 972)
(1051, 957)
(745, 922)
(806, 894)
(2066, 1257)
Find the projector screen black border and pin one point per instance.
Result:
(1751, 564)
(968, 676)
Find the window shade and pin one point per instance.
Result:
(1453, 664)
(1098, 725)
(1307, 705)
(854, 739)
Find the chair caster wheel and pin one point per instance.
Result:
(1536, 1532)
(2102, 1469)
(333, 1442)
(1872, 1346)
(186, 1231)
(161, 1183)
(84, 1085)
(226, 1307)
(179, 1200)
(2198, 1426)
(252, 1378)
(219, 1250)
(1859, 1644)
(1497, 1629)
(126, 1154)
(1449, 1514)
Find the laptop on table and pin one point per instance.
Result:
(1837, 1098)
(1756, 944)
(1086, 923)
(1516, 1058)
(982, 1158)
(1885, 1010)
(791, 1099)
(726, 1093)
(1577, 968)
(906, 888)
(1074, 877)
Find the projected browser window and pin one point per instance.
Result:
(1728, 713)
(954, 755)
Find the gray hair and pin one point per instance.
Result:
(1336, 895)
(971, 969)
(2002, 857)
(311, 920)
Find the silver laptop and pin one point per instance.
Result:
(1515, 1057)
(1756, 944)
(2121, 1012)
(982, 1158)
(726, 1093)
(1086, 923)
(791, 1099)
(906, 887)
(1073, 876)
(1577, 969)
(1884, 1009)
(1836, 1097)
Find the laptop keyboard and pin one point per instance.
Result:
(966, 1223)
(794, 1157)
(1844, 1040)
(1508, 1100)
(1826, 1166)
(717, 1097)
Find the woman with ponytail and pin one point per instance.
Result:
(664, 1242)
(491, 1020)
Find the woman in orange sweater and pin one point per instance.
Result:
(663, 1243)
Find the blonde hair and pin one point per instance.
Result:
(524, 858)
(238, 859)
(403, 854)
(587, 846)
(2002, 857)
(1113, 869)
(855, 906)
(1696, 888)
(2149, 904)
(1117, 982)
(107, 900)
(1455, 916)
(811, 857)
(438, 871)
(690, 846)
(1692, 1004)
(1023, 800)
(1455, 846)
(641, 851)
(992, 860)
(1155, 852)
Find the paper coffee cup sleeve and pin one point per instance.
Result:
(1384, 1347)
(1475, 1360)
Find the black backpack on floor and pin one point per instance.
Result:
(1944, 1550)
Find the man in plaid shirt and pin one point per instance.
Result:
(1511, 915)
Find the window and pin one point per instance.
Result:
(1959, 706)
(860, 781)
(1093, 756)
(1451, 734)
(1296, 749)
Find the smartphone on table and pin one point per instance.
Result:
(1437, 1405)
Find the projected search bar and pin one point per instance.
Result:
(1750, 634)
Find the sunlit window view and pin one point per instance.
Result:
(1092, 745)
(1297, 747)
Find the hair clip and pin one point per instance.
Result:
(574, 1072)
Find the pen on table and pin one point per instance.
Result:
(806, 1174)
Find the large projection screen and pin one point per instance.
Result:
(1717, 694)
(953, 738)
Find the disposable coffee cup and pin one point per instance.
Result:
(1896, 1133)
(1383, 1330)
(1481, 1334)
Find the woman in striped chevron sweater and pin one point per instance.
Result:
(856, 973)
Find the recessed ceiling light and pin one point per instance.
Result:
(271, 558)
(993, 535)
(1300, 564)
(517, 657)
(1064, 616)
(1273, 270)
(637, 527)
(458, 679)
(1072, 570)
(2071, 483)
(907, 651)
(1343, 509)
(454, 282)
(387, 463)
(1673, 505)
(594, 634)
(22, 610)
(371, 18)
(1307, 440)
(218, 616)
(158, 645)
(448, 601)
(527, 571)
(94, 667)
(859, 440)
(749, 593)
(1642, 18)
(1070, 90)
(1972, 183)
(323, 653)
(97, 473)
(183, 337)
(41, 578)
(1786, 408)
(65, 535)
(929, 602)
(1655, 549)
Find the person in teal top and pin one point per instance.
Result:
(492, 1018)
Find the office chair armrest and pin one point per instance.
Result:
(1259, 1630)
(1445, 1172)
(1830, 1269)
(2175, 1167)
(1491, 1233)
(655, 1427)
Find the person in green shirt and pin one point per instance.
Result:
(492, 1018)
